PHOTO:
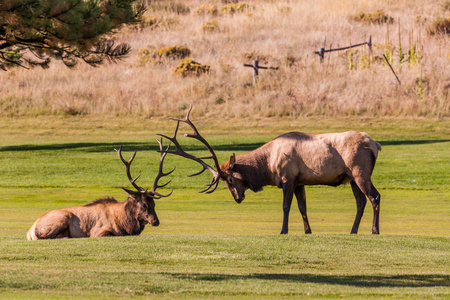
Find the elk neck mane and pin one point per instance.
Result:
(132, 225)
(102, 201)
(253, 165)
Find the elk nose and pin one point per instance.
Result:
(156, 223)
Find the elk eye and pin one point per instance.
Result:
(230, 180)
(145, 205)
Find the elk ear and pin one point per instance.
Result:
(232, 162)
(132, 194)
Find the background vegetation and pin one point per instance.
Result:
(222, 36)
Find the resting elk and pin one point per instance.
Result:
(107, 216)
(292, 161)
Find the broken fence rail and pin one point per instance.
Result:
(256, 67)
(322, 50)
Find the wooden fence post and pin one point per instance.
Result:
(255, 69)
(322, 50)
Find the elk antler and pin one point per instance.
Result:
(216, 173)
(153, 192)
(127, 166)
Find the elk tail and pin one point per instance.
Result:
(372, 145)
(31, 234)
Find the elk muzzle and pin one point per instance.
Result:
(239, 200)
(153, 220)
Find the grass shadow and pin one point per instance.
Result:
(411, 142)
(405, 280)
(86, 147)
(127, 146)
(136, 146)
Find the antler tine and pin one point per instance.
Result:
(153, 192)
(127, 166)
(196, 135)
(214, 184)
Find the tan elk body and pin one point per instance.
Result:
(294, 160)
(104, 217)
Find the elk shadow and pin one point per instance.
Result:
(376, 281)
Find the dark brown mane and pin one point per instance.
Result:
(102, 201)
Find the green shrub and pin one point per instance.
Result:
(146, 22)
(210, 26)
(146, 55)
(152, 23)
(290, 61)
(189, 67)
(446, 5)
(439, 26)
(219, 100)
(177, 7)
(232, 8)
(378, 17)
(250, 56)
(207, 9)
(284, 9)
(174, 52)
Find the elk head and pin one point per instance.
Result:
(144, 199)
(233, 179)
(226, 172)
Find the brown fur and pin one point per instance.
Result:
(107, 216)
(103, 217)
(296, 159)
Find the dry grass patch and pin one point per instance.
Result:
(280, 33)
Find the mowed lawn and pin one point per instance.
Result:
(207, 246)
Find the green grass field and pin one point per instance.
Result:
(207, 246)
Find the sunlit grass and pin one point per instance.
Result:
(207, 246)
(192, 266)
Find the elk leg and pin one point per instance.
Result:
(301, 201)
(53, 225)
(288, 193)
(361, 201)
(65, 234)
(101, 233)
(52, 232)
(374, 196)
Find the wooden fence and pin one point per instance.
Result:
(322, 50)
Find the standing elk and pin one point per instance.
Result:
(107, 216)
(292, 161)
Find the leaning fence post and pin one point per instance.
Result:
(255, 69)
(392, 69)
